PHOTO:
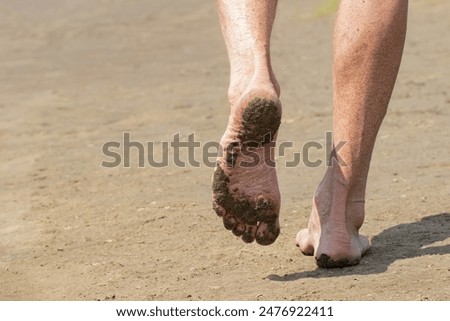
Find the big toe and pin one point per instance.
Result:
(304, 243)
(267, 233)
(365, 244)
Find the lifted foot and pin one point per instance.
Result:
(245, 187)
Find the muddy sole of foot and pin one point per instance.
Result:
(260, 122)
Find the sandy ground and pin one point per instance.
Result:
(77, 74)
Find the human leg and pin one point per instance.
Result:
(368, 44)
(247, 197)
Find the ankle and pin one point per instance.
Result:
(335, 196)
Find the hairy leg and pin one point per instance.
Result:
(246, 196)
(367, 50)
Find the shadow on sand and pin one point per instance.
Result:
(403, 241)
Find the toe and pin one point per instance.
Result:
(240, 228)
(220, 211)
(267, 233)
(229, 221)
(303, 241)
(249, 234)
(365, 244)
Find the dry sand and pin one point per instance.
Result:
(76, 74)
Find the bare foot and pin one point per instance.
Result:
(245, 187)
(332, 233)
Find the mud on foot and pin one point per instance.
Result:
(332, 235)
(245, 187)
